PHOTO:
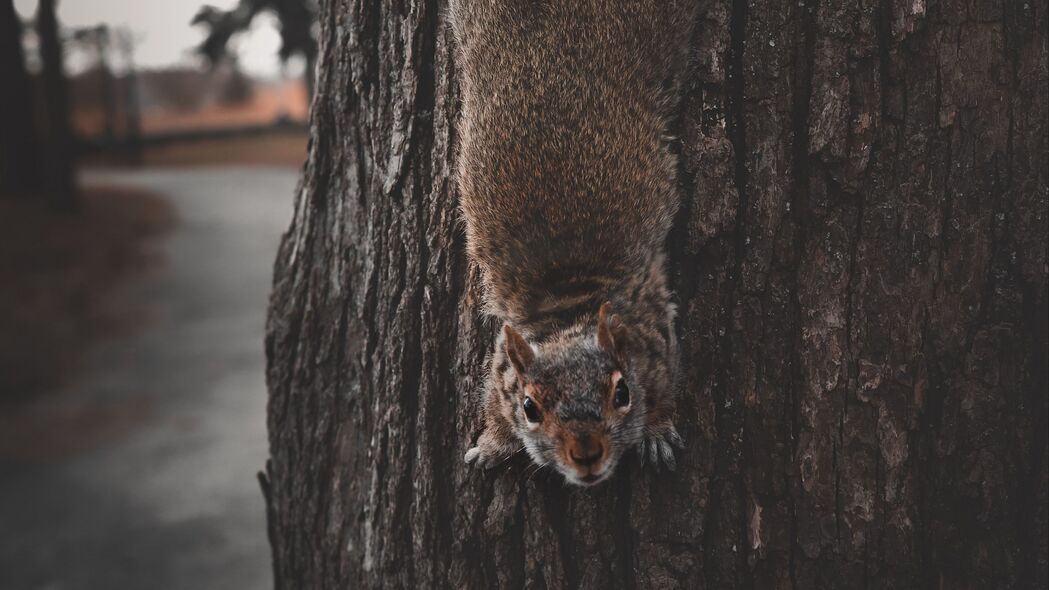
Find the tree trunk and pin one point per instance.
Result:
(58, 147)
(860, 261)
(310, 75)
(19, 168)
(107, 88)
(132, 99)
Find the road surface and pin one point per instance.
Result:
(149, 477)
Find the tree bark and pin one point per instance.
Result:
(58, 149)
(19, 168)
(861, 265)
(132, 98)
(107, 86)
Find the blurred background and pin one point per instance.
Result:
(149, 151)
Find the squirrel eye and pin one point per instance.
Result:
(531, 410)
(622, 397)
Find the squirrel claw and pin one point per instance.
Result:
(478, 458)
(490, 451)
(674, 438)
(658, 449)
(475, 457)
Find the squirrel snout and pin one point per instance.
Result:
(586, 451)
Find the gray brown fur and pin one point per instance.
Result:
(568, 192)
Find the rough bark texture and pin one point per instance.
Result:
(861, 264)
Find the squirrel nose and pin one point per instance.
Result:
(586, 453)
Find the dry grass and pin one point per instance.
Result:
(273, 149)
(57, 272)
(276, 148)
(267, 104)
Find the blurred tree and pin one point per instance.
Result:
(178, 89)
(125, 44)
(237, 87)
(297, 18)
(97, 40)
(58, 149)
(19, 169)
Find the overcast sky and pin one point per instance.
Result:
(163, 32)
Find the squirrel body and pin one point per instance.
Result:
(568, 192)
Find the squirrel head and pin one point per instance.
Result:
(578, 402)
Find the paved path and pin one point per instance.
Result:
(158, 489)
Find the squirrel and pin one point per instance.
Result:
(567, 188)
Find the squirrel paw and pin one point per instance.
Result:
(478, 458)
(488, 453)
(658, 447)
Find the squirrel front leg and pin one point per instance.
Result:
(661, 437)
(494, 446)
(498, 441)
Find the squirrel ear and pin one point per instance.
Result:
(519, 351)
(610, 332)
